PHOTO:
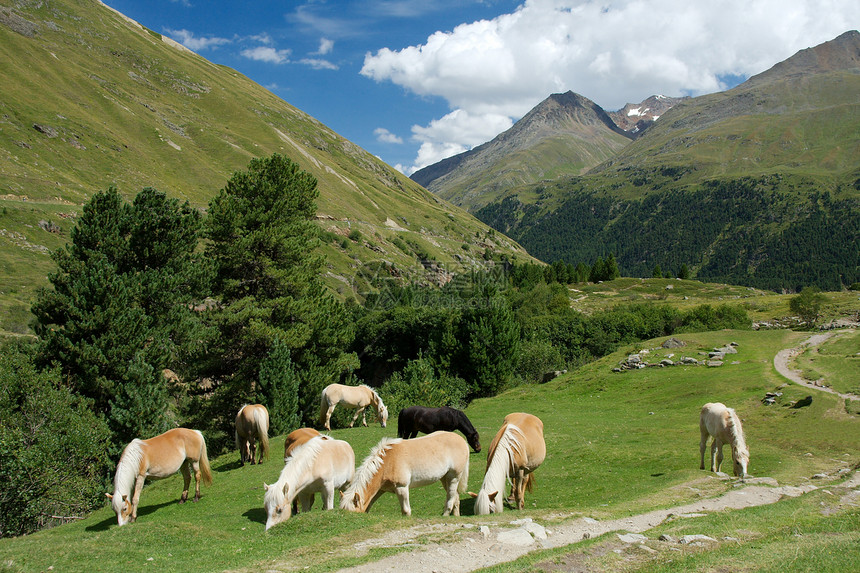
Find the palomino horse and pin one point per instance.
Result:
(416, 419)
(296, 438)
(252, 425)
(322, 464)
(359, 397)
(158, 457)
(516, 451)
(395, 465)
(724, 425)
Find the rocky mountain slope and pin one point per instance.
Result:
(90, 98)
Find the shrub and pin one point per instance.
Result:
(537, 357)
(54, 460)
(419, 385)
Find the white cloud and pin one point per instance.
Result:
(385, 136)
(187, 39)
(326, 46)
(612, 52)
(267, 54)
(318, 64)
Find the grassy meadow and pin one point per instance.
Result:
(618, 444)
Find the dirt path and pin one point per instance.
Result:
(784, 357)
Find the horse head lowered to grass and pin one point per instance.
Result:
(416, 419)
(158, 457)
(321, 464)
(357, 397)
(515, 452)
(395, 465)
(724, 425)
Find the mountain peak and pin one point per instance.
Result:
(840, 53)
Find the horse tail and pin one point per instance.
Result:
(463, 486)
(239, 440)
(205, 470)
(261, 420)
(402, 422)
(323, 407)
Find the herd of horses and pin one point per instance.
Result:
(318, 463)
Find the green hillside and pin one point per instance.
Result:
(91, 99)
(758, 185)
(618, 445)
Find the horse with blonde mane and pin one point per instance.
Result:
(252, 426)
(516, 451)
(158, 457)
(395, 465)
(358, 397)
(723, 424)
(295, 439)
(322, 464)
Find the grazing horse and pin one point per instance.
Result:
(296, 438)
(358, 397)
(252, 425)
(416, 419)
(158, 457)
(395, 465)
(322, 464)
(724, 425)
(516, 451)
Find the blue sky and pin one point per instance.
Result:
(414, 81)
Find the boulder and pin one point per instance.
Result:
(673, 343)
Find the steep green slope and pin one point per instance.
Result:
(759, 185)
(90, 99)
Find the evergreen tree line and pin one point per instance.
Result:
(158, 316)
(772, 232)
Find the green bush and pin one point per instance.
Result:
(54, 452)
(537, 357)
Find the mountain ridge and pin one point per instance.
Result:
(565, 128)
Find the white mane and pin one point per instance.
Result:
(736, 430)
(375, 395)
(126, 472)
(500, 466)
(300, 461)
(368, 469)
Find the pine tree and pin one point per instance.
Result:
(120, 310)
(263, 244)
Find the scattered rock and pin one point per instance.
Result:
(46, 130)
(673, 343)
(632, 537)
(552, 375)
(689, 539)
(517, 536)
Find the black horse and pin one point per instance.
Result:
(416, 419)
